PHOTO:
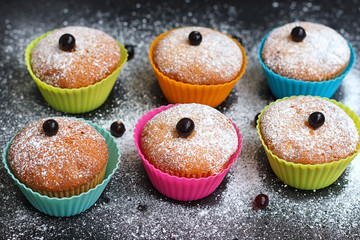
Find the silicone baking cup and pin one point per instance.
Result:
(285, 87)
(179, 92)
(77, 100)
(307, 176)
(69, 206)
(180, 188)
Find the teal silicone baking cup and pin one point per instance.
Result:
(285, 87)
(69, 206)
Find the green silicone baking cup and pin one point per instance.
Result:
(77, 100)
(307, 176)
(64, 207)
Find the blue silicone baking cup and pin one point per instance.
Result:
(285, 87)
(69, 206)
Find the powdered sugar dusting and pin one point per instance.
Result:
(130, 208)
(69, 159)
(323, 54)
(217, 59)
(204, 152)
(285, 130)
(95, 56)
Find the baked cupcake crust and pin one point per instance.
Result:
(218, 59)
(286, 132)
(68, 160)
(205, 152)
(322, 55)
(95, 56)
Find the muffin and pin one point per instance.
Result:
(309, 140)
(197, 64)
(58, 157)
(75, 57)
(62, 206)
(304, 58)
(75, 68)
(187, 149)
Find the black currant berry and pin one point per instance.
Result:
(67, 42)
(142, 208)
(185, 127)
(117, 129)
(50, 127)
(316, 120)
(261, 201)
(238, 39)
(195, 38)
(298, 34)
(256, 118)
(130, 50)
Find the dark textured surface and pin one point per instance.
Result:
(130, 208)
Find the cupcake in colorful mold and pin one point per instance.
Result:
(75, 68)
(187, 149)
(309, 140)
(197, 65)
(304, 58)
(61, 164)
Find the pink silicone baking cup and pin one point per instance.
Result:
(180, 188)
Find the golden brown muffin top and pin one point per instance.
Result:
(95, 56)
(205, 152)
(74, 156)
(217, 59)
(322, 55)
(286, 132)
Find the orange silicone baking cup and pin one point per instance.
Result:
(179, 92)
